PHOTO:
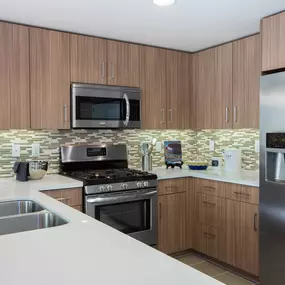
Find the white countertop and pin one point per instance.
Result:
(84, 251)
(244, 177)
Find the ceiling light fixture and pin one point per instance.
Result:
(163, 2)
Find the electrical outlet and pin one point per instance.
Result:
(35, 149)
(257, 146)
(16, 150)
(211, 145)
(158, 146)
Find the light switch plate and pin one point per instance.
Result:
(211, 145)
(257, 146)
(16, 150)
(35, 149)
(158, 146)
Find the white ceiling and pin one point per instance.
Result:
(187, 25)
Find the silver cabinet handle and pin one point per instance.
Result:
(65, 113)
(170, 116)
(63, 199)
(126, 122)
(112, 70)
(227, 114)
(162, 112)
(102, 69)
(235, 114)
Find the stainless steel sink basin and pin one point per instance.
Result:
(29, 222)
(11, 208)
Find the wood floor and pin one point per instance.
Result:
(213, 270)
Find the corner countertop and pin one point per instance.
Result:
(243, 177)
(83, 251)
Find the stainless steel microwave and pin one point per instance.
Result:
(101, 106)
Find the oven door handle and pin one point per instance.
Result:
(102, 200)
(126, 122)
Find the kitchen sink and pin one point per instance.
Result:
(11, 208)
(29, 222)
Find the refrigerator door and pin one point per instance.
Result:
(272, 189)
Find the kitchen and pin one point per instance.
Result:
(87, 99)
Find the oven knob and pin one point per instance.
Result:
(124, 186)
(139, 185)
(109, 187)
(102, 188)
(145, 184)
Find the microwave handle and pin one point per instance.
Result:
(126, 122)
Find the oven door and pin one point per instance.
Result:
(99, 106)
(131, 212)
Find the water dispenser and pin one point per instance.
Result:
(275, 157)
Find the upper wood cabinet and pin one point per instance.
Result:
(213, 87)
(178, 72)
(14, 77)
(88, 59)
(273, 42)
(50, 79)
(153, 85)
(246, 74)
(123, 64)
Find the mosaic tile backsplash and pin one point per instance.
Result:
(195, 144)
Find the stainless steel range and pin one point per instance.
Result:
(123, 198)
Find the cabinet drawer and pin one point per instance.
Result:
(210, 210)
(242, 193)
(210, 241)
(71, 197)
(209, 187)
(172, 186)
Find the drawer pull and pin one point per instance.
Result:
(171, 187)
(63, 199)
(209, 188)
(160, 215)
(208, 203)
(209, 235)
(254, 222)
(240, 193)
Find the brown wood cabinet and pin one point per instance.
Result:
(123, 64)
(50, 79)
(246, 74)
(14, 77)
(178, 90)
(242, 236)
(153, 85)
(273, 42)
(172, 223)
(71, 196)
(88, 59)
(213, 87)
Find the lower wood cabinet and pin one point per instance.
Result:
(71, 196)
(217, 219)
(242, 233)
(172, 215)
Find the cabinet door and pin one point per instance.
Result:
(171, 223)
(5, 35)
(123, 64)
(153, 85)
(50, 79)
(273, 42)
(88, 59)
(14, 77)
(221, 102)
(242, 236)
(246, 74)
(178, 90)
(205, 68)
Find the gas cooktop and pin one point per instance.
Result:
(107, 176)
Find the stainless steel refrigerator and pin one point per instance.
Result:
(272, 179)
